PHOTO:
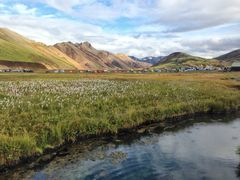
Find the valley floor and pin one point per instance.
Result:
(43, 111)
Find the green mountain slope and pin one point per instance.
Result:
(179, 59)
(16, 48)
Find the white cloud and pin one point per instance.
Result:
(23, 9)
(212, 47)
(66, 5)
(116, 9)
(175, 15)
(2, 6)
(185, 15)
(178, 16)
(49, 30)
(52, 30)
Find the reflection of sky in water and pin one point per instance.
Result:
(202, 151)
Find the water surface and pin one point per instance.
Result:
(201, 148)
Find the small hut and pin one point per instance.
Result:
(235, 66)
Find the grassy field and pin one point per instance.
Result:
(39, 111)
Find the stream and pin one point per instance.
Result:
(197, 148)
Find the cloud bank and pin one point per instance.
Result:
(140, 28)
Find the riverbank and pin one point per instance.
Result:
(100, 156)
(44, 113)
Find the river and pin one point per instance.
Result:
(198, 148)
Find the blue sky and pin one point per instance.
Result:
(136, 27)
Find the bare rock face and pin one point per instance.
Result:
(86, 44)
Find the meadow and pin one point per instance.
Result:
(42, 111)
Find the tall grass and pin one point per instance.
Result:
(38, 114)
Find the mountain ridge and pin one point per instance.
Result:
(16, 51)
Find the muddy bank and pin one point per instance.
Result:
(21, 65)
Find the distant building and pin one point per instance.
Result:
(56, 71)
(235, 66)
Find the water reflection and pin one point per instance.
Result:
(202, 148)
(238, 168)
(238, 171)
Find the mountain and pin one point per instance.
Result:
(90, 58)
(179, 59)
(230, 57)
(149, 59)
(152, 60)
(17, 51)
(133, 63)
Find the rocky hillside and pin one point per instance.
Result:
(90, 58)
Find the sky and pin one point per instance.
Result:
(140, 28)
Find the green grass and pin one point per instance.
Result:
(38, 111)
(11, 51)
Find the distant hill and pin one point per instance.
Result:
(179, 59)
(90, 58)
(230, 57)
(133, 63)
(17, 51)
(149, 59)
